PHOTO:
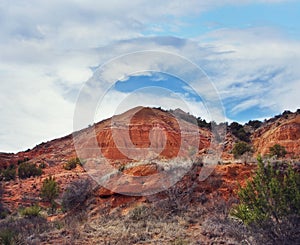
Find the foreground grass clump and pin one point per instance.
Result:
(270, 203)
(17, 230)
(30, 212)
(7, 237)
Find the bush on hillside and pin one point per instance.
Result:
(270, 203)
(277, 151)
(255, 124)
(3, 210)
(240, 149)
(27, 170)
(7, 236)
(8, 173)
(71, 164)
(238, 131)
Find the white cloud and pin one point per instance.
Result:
(47, 50)
(257, 65)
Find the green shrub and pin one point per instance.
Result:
(27, 170)
(277, 150)
(30, 212)
(8, 173)
(240, 148)
(49, 190)
(71, 164)
(255, 124)
(7, 237)
(271, 201)
(238, 131)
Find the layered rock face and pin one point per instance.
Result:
(142, 133)
(284, 131)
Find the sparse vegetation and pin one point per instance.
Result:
(22, 230)
(240, 148)
(27, 170)
(3, 211)
(8, 173)
(203, 124)
(30, 212)
(270, 204)
(238, 131)
(278, 151)
(71, 164)
(7, 237)
(255, 124)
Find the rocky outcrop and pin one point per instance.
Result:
(284, 131)
(141, 133)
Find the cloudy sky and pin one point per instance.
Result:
(248, 51)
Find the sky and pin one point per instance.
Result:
(240, 57)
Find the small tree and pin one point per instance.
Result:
(277, 150)
(240, 148)
(270, 203)
(50, 191)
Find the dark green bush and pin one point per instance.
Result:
(278, 150)
(3, 211)
(27, 170)
(71, 164)
(202, 123)
(240, 148)
(7, 237)
(270, 202)
(8, 173)
(254, 123)
(238, 131)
